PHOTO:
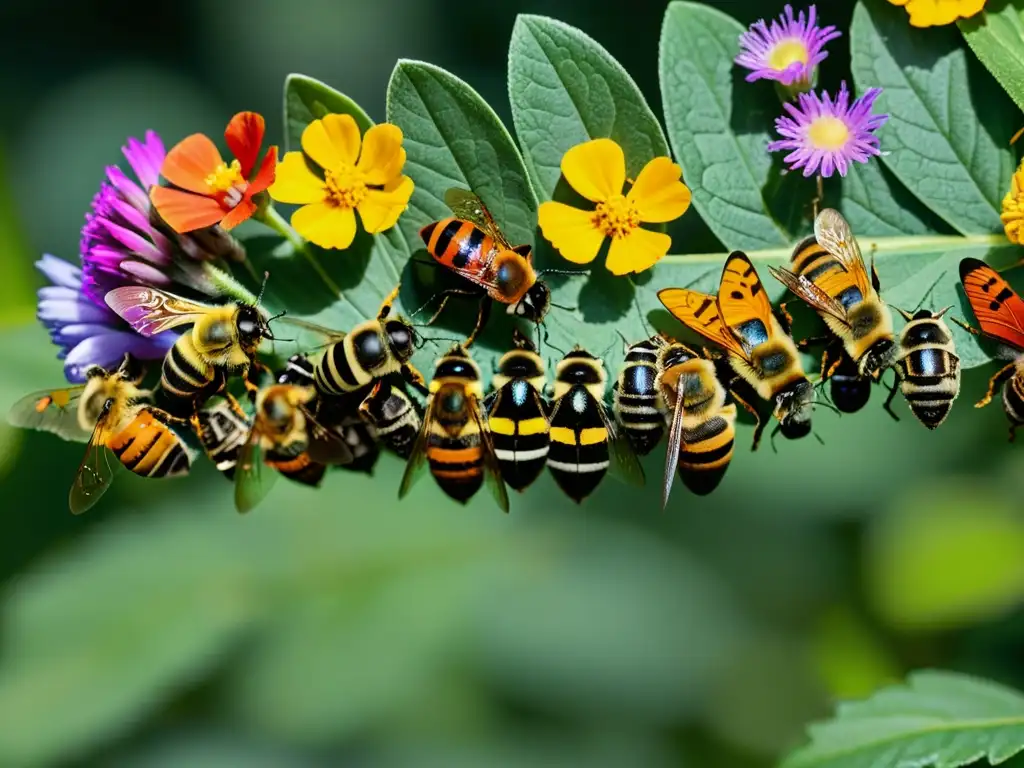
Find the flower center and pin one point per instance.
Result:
(225, 177)
(345, 186)
(828, 133)
(616, 216)
(787, 52)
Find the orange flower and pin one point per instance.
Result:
(210, 191)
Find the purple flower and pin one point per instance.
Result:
(787, 51)
(826, 133)
(88, 333)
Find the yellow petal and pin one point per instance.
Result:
(295, 183)
(328, 226)
(571, 231)
(382, 156)
(639, 250)
(332, 141)
(596, 169)
(658, 194)
(380, 209)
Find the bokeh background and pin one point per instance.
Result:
(339, 627)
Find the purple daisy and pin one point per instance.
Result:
(789, 50)
(88, 333)
(829, 134)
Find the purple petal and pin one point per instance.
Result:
(64, 312)
(60, 272)
(146, 158)
(146, 273)
(135, 242)
(74, 333)
(127, 188)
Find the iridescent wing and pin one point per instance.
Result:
(699, 312)
(814, 296)
(743, 303)
(833, 233)
(253, 478)
(150, 311)
(492, 469)
(54, 411)
(418, 457)
(468, 207)
(675, 441)
(1000, 311)
(96, 470)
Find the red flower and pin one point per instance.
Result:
(208, 191)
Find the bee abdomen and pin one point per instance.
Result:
(459, 471)
(706, 453)
(930, 383)
(1013, 398)
(300, 468)
(521, 447)
(577, 468)
(184, 377)
(149, 448)
(334, 375)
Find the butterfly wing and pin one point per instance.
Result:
(833, 233)
(699, 312)
(150, 311)
(743, 303)
(54, 411)
(1000, 311)
(468, 207)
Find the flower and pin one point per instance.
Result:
(597, 170)
(826, 133)
(88, 333)
(934, 13)
(787, 51)
(124, 243)
(362, 174)
(1013, 208)
(212, 191)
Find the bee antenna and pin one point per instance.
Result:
(560, 351)
(818, 438)
(562, 272)
(775, 432)
(266, 276)
(562, 306)
(907, 315)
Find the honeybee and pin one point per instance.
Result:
(702, 427)
(453, 439)
(927, 367)
(394, 417)
(222, 430)
(760, 351)
(472, 245)
(636, 400)
(829, 274)
(1000, 313)
(517, 414)
(110, 413)
(584, 441)
(223, 342)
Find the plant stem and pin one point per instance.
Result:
(271, 218)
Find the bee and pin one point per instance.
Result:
(223, 342)
(517, 414)
(636, 400)
(584, 441)
(702, 427)
(1000, 312)
(927, 366)
(760, 351)
(453, 439)
(394, 417)
(473, 246)
(850, 391)
(829, 274)
(112, 415)
(222, 431)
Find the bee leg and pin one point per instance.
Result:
(385, 307)
(235, 405)
(1001, 377)
(811, 341)
(445, 295)
(481, 320)
(825, 371)
(415, 378)
(759, 423)
(892, 394)
(965, 326)
(786, 319)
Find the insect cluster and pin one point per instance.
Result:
(360, 393)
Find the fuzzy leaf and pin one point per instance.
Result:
(996, 36)
(307, 99)
(565, 89)
(877, 204)
(939, 719)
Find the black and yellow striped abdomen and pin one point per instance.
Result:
(519, 433)
(186, 378)
(636, 401)
(299, 468)
(148, 447)
(457, 465)
(706, 451)
(578, 455)
(928, 367)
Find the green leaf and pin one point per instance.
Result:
(996, 35)
(721, 147)
(956, 159)
(939, 719)
(566, 89)
(876, 204)
(306, 100)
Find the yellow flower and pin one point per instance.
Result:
(1013, 208)
(597, 170)
(934, 13)
(369, 181)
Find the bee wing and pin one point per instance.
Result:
(624, 463)
(418, 457)
(325, 445)
(150, 311)
(468, 207)
(53, 411)
(999, 309)
(699, 312)
(814, 296)
(330, 335)
(675, 440)
(492, 470)
(96, 470)
(833, 233)
(253, 478)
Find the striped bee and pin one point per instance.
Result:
(453, 440)
(637, 403)
(394, 417)
(928, 367)
(584, 441)
(702, 427)
(222, 431)
(112, 415)
(517, 414)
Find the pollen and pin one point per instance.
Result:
(828, 133)
(788, 52)
(616, 216)
(346, 187)
(225, 177)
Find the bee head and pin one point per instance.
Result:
(793, 408)
(534, 304)
(402, 339)
(251, 325)
(877, 358)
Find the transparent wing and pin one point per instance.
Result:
(624, 463)
(95, 472)
(833, 233)
(467, 206)
(54, 411)
(810, 293)
(418, 457)
(492, 470)
(329, 335)
(253, 478)
(150, 311)
(675, 440)
(326, 446)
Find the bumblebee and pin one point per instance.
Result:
(112, 415)
(393, 416)
(517, 414)
(637, 403)
(927, 367)
(829, 274)
(584, 441)
(760, 351)
(702, 427)
(453, 440)
(223, 342)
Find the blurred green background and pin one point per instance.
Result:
(340, 627)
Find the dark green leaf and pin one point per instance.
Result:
(876, 204)
(306, 100)
(996, 35)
